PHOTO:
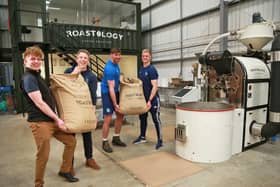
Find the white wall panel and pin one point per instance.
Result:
(213, 23)
(3, 2)
(144, 3)
(168, 70)
(165, 13)
(155, 1)
(171, 69)
(146, 40)
(4, 18)
(166, 39)
(241, 16)
(276, 12)
(191, 7)
(198, 32)
(234, 18)
(5, 38)
(145, 21)
(166, 55)
(201, 26)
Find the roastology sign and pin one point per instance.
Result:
(94, 34)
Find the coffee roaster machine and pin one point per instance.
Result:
(248, 81)
(243, 82)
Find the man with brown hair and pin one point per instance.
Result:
(110, 100)
(90, 78)
(42, 119)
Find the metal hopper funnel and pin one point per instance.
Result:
(256, 35)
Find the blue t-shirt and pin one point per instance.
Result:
(146, 74)
(111, 72)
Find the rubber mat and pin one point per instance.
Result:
(167, 133)
(160, 168)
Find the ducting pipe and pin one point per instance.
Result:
(256, 128)
(273, 126)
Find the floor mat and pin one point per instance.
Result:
(167, 133)
(160, 168)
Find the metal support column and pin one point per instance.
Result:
(150, 26)
(139, 32)
(223, 23)
(181, 40)
(45, 40)
(16, 53)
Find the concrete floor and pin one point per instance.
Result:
(257, 167)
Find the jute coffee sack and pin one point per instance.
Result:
(73, 101)
(132, 99)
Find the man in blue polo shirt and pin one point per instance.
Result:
(110, 100)
(149, 76)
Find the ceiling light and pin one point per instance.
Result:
(53, 8)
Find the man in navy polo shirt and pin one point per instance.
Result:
(81, 67)
(149, 76)
(110, 100)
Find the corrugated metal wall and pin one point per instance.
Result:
(163, 36)
(5, 39)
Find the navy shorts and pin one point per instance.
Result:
(108, 107)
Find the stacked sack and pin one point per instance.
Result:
(132, 100)
(74, 103)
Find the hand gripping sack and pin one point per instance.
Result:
(73, 101)
(132, 100)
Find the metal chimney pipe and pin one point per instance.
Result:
(273, 127)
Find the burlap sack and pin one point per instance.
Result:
(132, 99)
(73, 101)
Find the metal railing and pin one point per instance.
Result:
(96, 64)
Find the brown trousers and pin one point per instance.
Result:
(42, 132)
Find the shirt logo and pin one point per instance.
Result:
(146, 73)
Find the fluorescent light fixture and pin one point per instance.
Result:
(53, 8)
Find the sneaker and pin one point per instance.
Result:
(139, 140)
(159, 144)
(106, 147)
(117, 141)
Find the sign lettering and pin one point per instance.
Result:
(94, 33)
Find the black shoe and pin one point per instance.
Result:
(159, 144)
(117, 141)
(106, 147)
(68, 177)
